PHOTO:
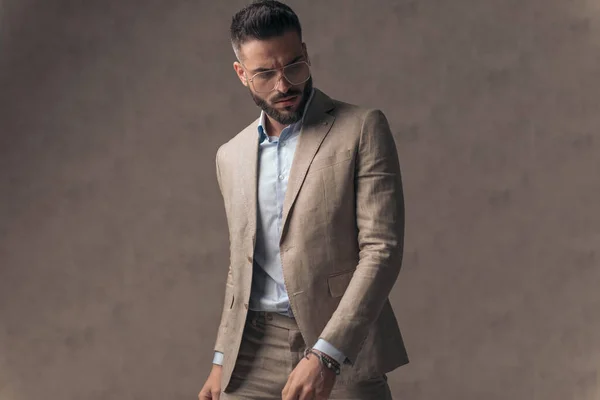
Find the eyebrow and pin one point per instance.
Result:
(257, 70)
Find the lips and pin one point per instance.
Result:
(287, 101)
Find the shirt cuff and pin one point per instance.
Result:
(218, 358)
(325, 347)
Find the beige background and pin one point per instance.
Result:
(112, 233)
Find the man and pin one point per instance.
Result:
(315, 211)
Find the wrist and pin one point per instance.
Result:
(325, 360)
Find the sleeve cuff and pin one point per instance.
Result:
(325, 347)
(218, 358)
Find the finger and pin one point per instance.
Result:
(216, 394)
(203, 395)
(285, 392)
(307, 394)
(293, 393)
(286, 389)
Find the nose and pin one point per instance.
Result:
(282, 84)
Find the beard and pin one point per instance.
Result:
(285, 117)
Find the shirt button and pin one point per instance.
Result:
(280, 177)
(282, 144)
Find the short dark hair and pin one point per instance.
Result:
(261, 20)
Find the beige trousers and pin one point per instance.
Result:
(271, 348)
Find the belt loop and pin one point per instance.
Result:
(253, 317)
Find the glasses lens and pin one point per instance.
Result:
(295, 74)
(265, 81)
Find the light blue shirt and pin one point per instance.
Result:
(275, 156)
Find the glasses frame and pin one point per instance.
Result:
(251, 79)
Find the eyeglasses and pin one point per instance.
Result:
(267, 81)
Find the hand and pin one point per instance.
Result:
(310, 380)
(212, 387)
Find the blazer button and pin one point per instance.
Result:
(246, 306)
(249, 259)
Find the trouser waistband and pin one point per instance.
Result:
(272, 318)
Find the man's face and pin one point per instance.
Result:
(286, 103)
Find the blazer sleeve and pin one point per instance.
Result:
(380, 223)
(220, 341)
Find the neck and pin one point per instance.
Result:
(273, 127)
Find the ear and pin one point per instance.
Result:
(241, 74)
(305, 53)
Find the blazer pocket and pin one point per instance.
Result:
(339, 282)
(231, 302)
(329, 159)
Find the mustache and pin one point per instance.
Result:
(285, 96)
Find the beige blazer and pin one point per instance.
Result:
(342, 235)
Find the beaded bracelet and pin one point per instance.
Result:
(325, 360)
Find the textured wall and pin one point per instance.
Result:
(113, 243)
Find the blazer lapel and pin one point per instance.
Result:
(248, 167)
(316, 125)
